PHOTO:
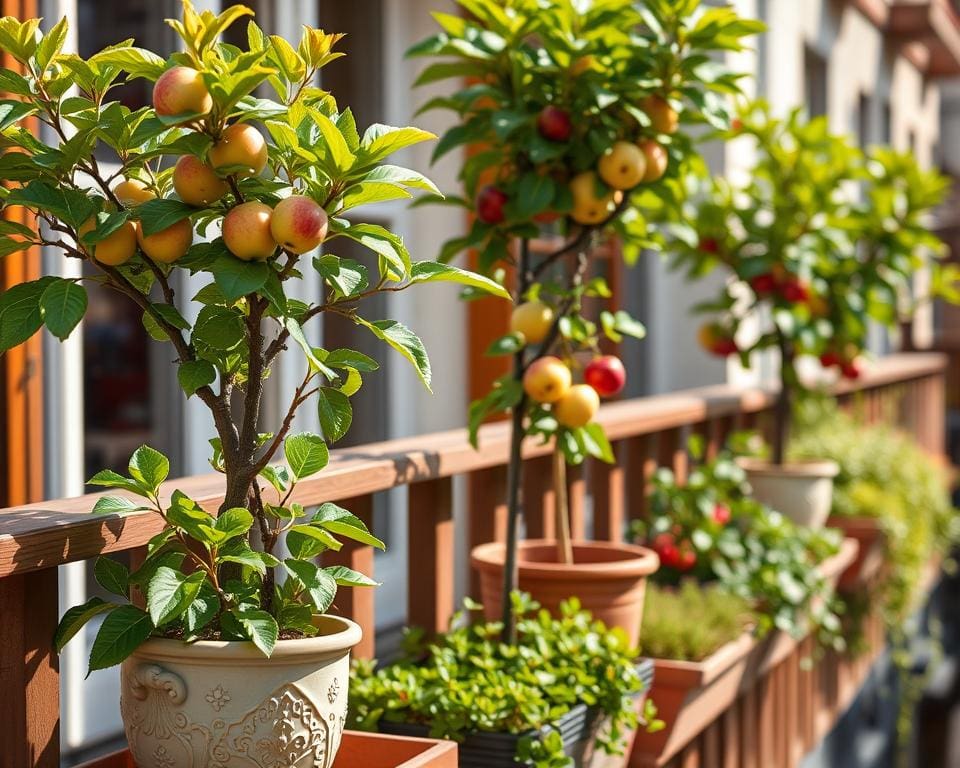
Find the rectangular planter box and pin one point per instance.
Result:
(870, 556)
(692, 696)
(357, 750)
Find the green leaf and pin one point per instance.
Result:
(346, 275)
(395, 174)
(347, 577)
(21, 315)
(68, 205)
(535, 193)
(64, 303)
(350, 358)
(112, 576)
(158, 214)
(380, 140)
(338, 520)
(384, 243)
(109, 479)
(335, 411)
(234, 522)
(278, 477)
(203, 609)
(75, 618)
(259, 627)
(404, 341)
(185, 513)
(321, 587)
(219, 327)
(306, 454)
(149, 467)
(136, 62)
(116, 505)
(170, 593)
(432, 271)
(596, 443)
(195, 374)
(307, 541)
(236, 278)
(124, 630)
(506, 345)
(12, 112)
(296, 333)
(239, 551)
(339, 151)
(371, 192)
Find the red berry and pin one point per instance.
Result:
(554, 124)
(763, 284)
(725, 347)
(670, 556)
(687, 560)
(490, 203)
(606, 375)
(829, 359)
(709, 245)
(794, 291)
(736, 124)
(721, 514)
(850, 370)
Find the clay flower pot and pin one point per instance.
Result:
(224, 704)
(608, 579)
(803, 490)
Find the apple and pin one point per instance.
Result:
(606, 375)
(116, 248)
(851, 369)
(665, 546)
(181, 91)
(709, 245)
(663, 117)
(241, 150)
(688, 558)
(131, 192)
(299, 224)
(656, 158)
(196, 183)
(829, 359)
(763, 284)
(623, 165)
(547, 379)
(794, 290)
(577, 407)
(721, 514)
(716, 340)
(588, 208)
(554, 124)
(532, 320)
(490, 204)
(167, 245)
(246, 231)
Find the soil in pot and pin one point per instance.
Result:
(802, 490)
(608, 579)
(224, 703)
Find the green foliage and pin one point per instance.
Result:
(710, 528)
(669, 632)
(467, 680)
(884, 475)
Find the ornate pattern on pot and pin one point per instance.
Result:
(224, 705)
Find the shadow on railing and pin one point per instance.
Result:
(645, 433)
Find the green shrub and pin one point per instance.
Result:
(671, 632)
(885, 475)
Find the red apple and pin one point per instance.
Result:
(606, 375)
(687, 559)
(721, 514)
(794, 290)
(850, 370)
(829, 359)
(763, 284)
(716, 340)
(490, 204)
(554, 124)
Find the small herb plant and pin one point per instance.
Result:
(820, 234)
(468, 680)
(578, 111)
(257, 200)
(669, 633)
(710, 529)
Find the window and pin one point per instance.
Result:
(815, 82)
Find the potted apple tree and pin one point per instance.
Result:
(822, 240)
(257, 184)
(575, 112)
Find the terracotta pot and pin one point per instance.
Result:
(224, 704)
(608, 579)
(871, 557)
(803, 491)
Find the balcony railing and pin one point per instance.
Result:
(645, 433)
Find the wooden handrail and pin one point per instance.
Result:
(52, 533)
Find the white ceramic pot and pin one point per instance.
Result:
(803, 490)
(224, 705)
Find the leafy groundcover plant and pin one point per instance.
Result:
(236, 190)
(468, 680)
(578, 112)
(711, 530)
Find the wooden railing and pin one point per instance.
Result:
(645, 433)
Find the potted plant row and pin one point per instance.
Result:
(577, 113)
(757, 583)
(821, 240)
(220, 657)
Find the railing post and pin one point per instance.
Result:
(430, 581)
(487, 498)
(609, 496)
(641, 466)
(538, 499)
(29, 671)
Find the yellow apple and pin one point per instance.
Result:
(656, 158)
(181, 91)
(577, 407)
(246, 231)
(131, 192)
(547, 379)
(298, 224)
(116, 248)
(167, 245)
(663, 117)
(588, 208)
(532, 320)
(623, 166)
(196, 183)
(241, 150)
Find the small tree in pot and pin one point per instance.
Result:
(263, 660)
(822, 238)
(576, 111)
